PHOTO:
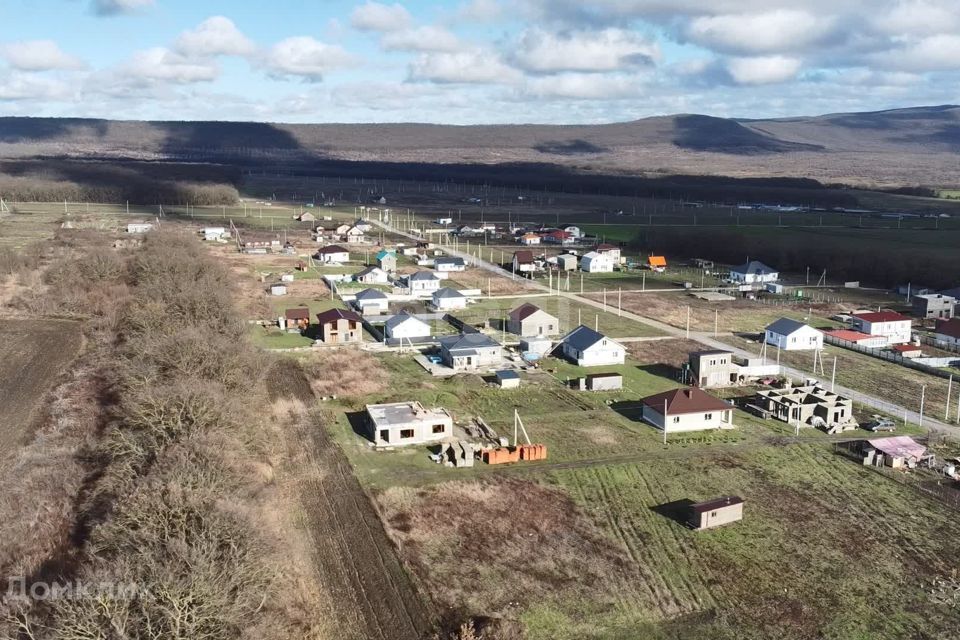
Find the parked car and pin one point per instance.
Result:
(880, 424)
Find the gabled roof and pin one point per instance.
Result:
(367, 272)
(447, 292)
(422, 275)
(881, 316)
(467, 341)
(386, 252)
(401, 318)
(657, 261)
(899, 447)
(372, 294)
(523, 257)
(683, 401)
(583, 337)
(593, 255)
(786, 326)
(606, 247)
(754, 267)
(524, 311)
(331, 248)
(332, 315)
(850, 336)
(449, 260)
(949, 328)
(299, 313)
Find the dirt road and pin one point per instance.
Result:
(354, 559)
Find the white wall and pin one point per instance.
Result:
(806, 339)
(685, 422)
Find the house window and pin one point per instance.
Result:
(676, 419)
(406, 434)
(604, 343)
(708, 416)
(439, 428)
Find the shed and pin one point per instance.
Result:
(716, 512)
(508, 379)
(278, 290)
(602, 382)
(567, 262)
(899, 451)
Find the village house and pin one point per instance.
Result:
(446, 264)
(340, 326)
(934, 306)
(601, 382)
(297, 318)
(530, 239)
(792, 335)
(531, 320)
(947, 332)
(406, 423)
(657, 263)
(446, 299)
(470, 351)
(355, 235)
(371, 301)
(363, 225)
(567, 262)
(612, 251)
(372, 275)
(714, 513)
(897, 329)
(332, 253)
(306, 216)
(342, 229)
(896, 452)
(387, 260)
(754, 272)
(574, 232)
(713, 368)
(588, 348)
(139, 227)
(808, 405)
(594, 262)
(858, 338)
(406, 325)
(213, 234)
(422, 282)
(557, 237)
(687, 409)
(523, 261)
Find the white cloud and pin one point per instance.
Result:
(763, 69)
(38, 55)
(480, 11)
(307, 58)
(477, 66)
(918, 17)
(161, 64)
(772, 32)
(117, 7)
(375, 16)
(17, 86)
(214, 36)
(935, 53)
(585, 86)
(425, 38)
(606, 50)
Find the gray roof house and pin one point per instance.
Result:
(793, 335)
(753, 272)
(449, 264)
(470, 351)
(422, 281)
(371, 301)
(406, 325)
(588, 348)
(447, 298)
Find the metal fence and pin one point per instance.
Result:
(889, 356)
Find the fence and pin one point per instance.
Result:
(889, 356)
(940, 344)
(460, 325)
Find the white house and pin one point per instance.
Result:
(889, 324)
(212, 234)
(446, 264)
(371, 301)
(688, 409)
(574, 232)
(447, 298)
(594, 262)
(523, 261)
(791, 335)
(332, 253)
(422, 282)
(754, 272)
(372, 275)
(406, 325)
(610, 250)
(444, 221)
(587, 348)
(470, 351)
(530, 239)
(948, 332)
(355, 235)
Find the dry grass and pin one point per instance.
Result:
(672, 351)
(497, 285)
(490, 547)
(346, 373)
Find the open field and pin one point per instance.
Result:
(824, 547)
(33, 354)
(864, 373)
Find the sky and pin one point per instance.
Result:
(473, 61)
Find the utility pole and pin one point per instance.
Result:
(923, 397)
(716, 322)
(833, 376)
(688, 321)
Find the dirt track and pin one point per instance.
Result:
(353, 558)
(32, 355)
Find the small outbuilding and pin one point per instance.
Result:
(297, 318)
(508, 379)
(278, 289)
(595, 262)
(601, 382)
(715, 513)
(567, 262)
(139, 227)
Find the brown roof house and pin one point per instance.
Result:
(688, 409)
(530, 320)
(339, 326)
(297, 318)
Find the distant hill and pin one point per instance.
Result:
(886, 148)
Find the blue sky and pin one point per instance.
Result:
(473, 61)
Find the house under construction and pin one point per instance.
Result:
(808, 405)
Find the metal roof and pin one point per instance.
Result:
(422, 275)
(449, 260)
(401, 318)
(950, 328)
(447, 292)
(715, 503)
(582, 338)
(524, 311)
(755, 267)
(332, 248)
(372, 294)
(507, 374)
(899, 447)
(332, 315)
(786, 326)
(881, 316)
(299, 313)
(467, 341)
(683, 401)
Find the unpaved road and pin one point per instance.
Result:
(33, 354)
(354, 559)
